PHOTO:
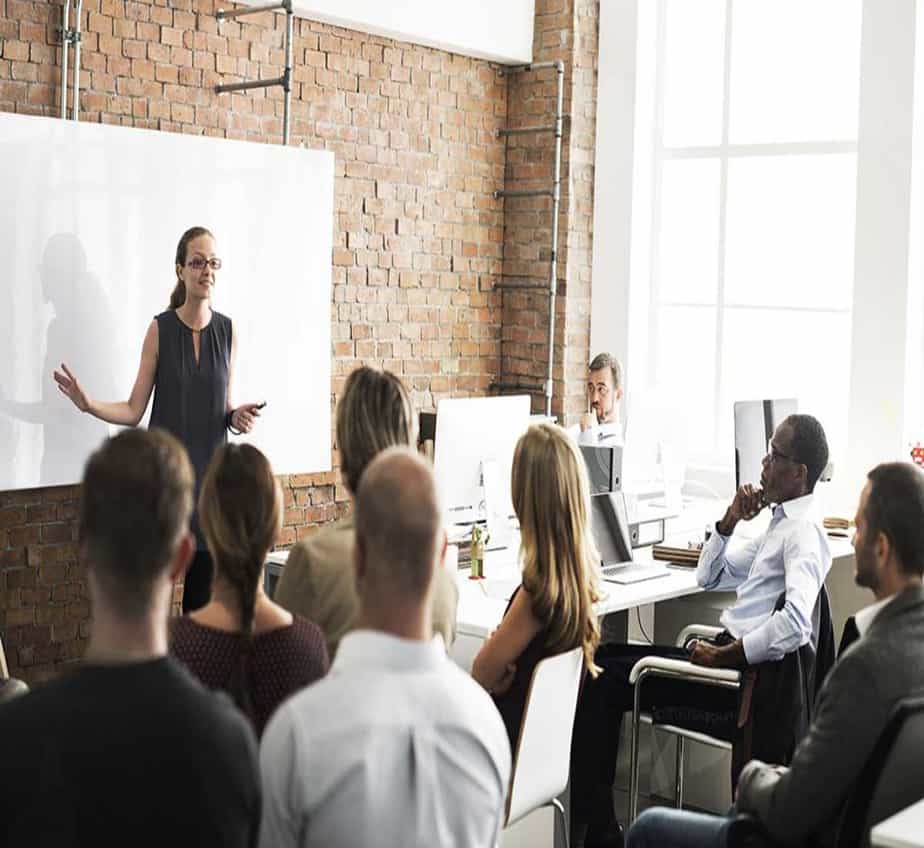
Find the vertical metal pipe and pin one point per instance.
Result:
(287, 76)
(75, 106)
(65, 44)
(556, 200)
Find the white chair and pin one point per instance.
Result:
(543, 752)
(678, 670)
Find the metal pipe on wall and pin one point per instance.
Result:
(555, 193)
(286, 79)
(75, 104)
(65, 45)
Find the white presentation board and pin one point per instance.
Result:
(89, 221)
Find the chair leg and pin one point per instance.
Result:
(678, 774)
(633, 760)
(560, 821)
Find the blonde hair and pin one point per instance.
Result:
(240, 510)
(374, 413)
(551, 497)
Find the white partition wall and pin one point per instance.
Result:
(89, 223)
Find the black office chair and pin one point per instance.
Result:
(892, 779)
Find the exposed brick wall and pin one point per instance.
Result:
(565, 30)
(418, 235)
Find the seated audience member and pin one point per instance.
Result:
(129, 748)
(802, 804)
(397, 745)
(241, 641)
(374, 413)
(601, 424)
(552, 610)
(790, 559)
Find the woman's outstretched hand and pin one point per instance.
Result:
(71, 388)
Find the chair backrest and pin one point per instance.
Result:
(4, 671)
(893, 777)
(543, 755)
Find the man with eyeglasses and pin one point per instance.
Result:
(778, 577)
(601, 424)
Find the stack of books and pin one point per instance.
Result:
(687, 556)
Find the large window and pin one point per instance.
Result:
(744, 209)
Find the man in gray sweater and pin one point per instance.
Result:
(806, 800)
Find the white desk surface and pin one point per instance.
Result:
(903, 830)
(478, 613)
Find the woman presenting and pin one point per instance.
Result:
(188, 360)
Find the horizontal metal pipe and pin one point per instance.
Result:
(542, 287)
(246, 86)
(532, 66)
(537, 192)
(524, 130)
(226, 14)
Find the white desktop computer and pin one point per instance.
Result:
(473, 455)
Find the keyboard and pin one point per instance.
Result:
(633, 573)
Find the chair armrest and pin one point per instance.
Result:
(745, 831)
(663, 667)
(697, 631)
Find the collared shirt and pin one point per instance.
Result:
(607, 435)
(865, 617)
(396, 746)
(791, 556)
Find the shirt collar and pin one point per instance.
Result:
(803, 507)
(364, 648)
(865, 617)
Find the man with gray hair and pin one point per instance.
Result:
(397, 745)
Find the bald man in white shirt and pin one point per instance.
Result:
(397, 745)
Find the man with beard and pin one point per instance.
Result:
(804, 802)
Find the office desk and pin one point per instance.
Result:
(903, 830)
(481, 608)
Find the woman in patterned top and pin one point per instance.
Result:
(241, 641)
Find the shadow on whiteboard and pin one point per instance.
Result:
(43, 429)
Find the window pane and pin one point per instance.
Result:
(685, 370)
(694, 54)
(795, 70)
(790, 230)
(812, 365)
(688, 244)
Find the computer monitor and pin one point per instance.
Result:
(604, 468)
(472, 433)
(609, 524)
(755, 421)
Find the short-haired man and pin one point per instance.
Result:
(802, 804)
(790, 560)
(601, 424)
(129, 749)
(396, 746)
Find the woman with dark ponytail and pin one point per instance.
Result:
(187, 360)
(241, 641)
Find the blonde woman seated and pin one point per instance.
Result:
(241, 641)
(374, 413)
(552, 610)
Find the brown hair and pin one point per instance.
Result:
(178, 295)
(607, 360)
(895, 508)
(374, 413)
(551, 497)
(135, 505)
(240, 510)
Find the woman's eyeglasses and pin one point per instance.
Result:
(198, 263)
